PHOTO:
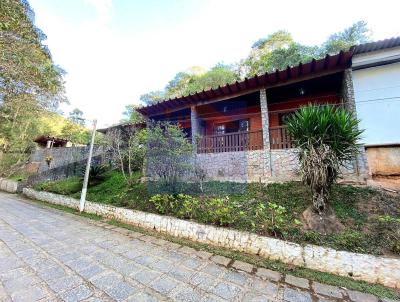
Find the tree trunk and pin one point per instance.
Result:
(319, 199)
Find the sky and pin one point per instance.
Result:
(113, 51)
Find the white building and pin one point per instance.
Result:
(376, 81)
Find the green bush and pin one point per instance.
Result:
(312, 237)
(189, 206)
(220, 211)
(164, 203)
(96, 174)
(65, 187)
(351, 240)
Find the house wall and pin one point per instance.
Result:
(213, 118)
(384, 160)
(291, 104)
(377, 96)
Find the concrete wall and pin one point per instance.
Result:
(369, 268)
(10, 186)
(377, 94)
(384, 160)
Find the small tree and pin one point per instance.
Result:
(168, 153)
(327, 138)
(127, 148)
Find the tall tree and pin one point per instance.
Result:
(29, 80)
(152, 97)
(178, 86)
(219, 75)
(132, 115)
(277, 51)
(355, 34)
(76, 116)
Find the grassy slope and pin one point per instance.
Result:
(357, 208)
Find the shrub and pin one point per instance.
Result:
(312, 237)
(96, 174)
(220, 211)
(269, 217)
(189, 206)
(168, 154)
(164, 203)
(327, 138)
(351, 240)
(387, 230)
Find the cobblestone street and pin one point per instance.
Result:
(50, 255)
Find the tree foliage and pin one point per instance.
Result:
(168, 153)
(132, 115)
(152, 97)
(356, 34)
(327, 139)
(76, 117)
(30, 83)
(276, 51)
(127, 148)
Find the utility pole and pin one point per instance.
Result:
(86, 178)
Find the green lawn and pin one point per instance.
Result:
(370, 217)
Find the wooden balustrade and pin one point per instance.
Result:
(230, 142)
(279, 138)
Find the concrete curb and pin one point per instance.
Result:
(10, 186)
(373, 269)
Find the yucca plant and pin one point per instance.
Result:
(96, 174)
(327, 138)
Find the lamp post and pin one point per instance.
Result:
(86, 178)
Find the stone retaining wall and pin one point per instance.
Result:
(10, 186)
(369, 268)
(267, 166)
(240, 166)
(60, 156)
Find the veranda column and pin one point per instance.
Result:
(264, 118)
(360, 163)
(265, 132)
(194, 120)
(348, 91)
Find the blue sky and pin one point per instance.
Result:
(115, 50)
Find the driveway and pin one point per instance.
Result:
(50, 255)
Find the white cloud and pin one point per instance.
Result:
(103, 9)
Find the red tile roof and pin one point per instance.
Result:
(378, 45)
(314, 68)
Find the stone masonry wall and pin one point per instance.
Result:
(241, 166)
(61, 156)
(383, 270)
(266, 166)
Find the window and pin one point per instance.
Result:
(233, 126)
(244, 125)
(219, 129)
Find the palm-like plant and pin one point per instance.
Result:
(327, 138)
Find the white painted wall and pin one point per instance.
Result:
(377, 95)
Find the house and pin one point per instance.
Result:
(123, 128)
(376, 80)
(241, 126)
(45, 141)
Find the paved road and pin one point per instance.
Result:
(50, 255)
